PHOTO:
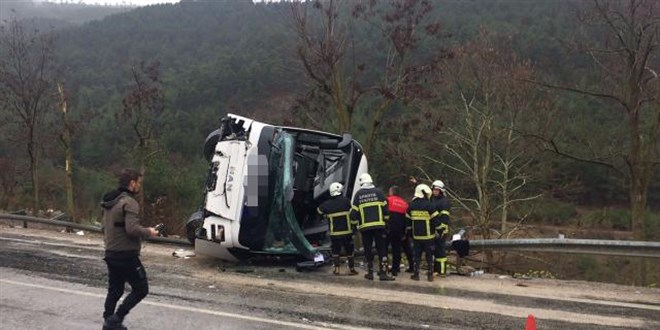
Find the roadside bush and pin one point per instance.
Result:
(173, 190)
(51, 187)
(546, 211)
(607, 218)
(652, 224)
(90, 185)
(588, 267)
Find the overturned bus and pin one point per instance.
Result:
(263, 187)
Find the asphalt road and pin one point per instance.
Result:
(53, 280)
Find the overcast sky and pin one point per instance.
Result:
(109, 2)
(135, 2)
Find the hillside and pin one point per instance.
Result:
(240, 56)
(64, 13)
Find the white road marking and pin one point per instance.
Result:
(325, 325)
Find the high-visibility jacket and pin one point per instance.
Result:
(397, 207)
(337, 210)
(423, 219)
(369, 209)
(443, 206)
(396, 204)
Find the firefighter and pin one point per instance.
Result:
(396, 230)
(337, 210)
(369, 212)
(442, 205)
(423, 223)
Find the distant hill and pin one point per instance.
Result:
(58, 14)
(240, 56)
(232, 55)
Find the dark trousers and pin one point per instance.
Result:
(427, 247)
(120, 271)
(337, 243)
(378, 236)
(441, 247)
(400, 242)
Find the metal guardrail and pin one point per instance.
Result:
(78, 226)
(555, 245)
(580, 246)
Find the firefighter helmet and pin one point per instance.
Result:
(365, 178)
(336, 189)
(422, 191)
(437, 184)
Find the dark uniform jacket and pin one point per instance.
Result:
(423, 219)
(337, 210)
(121, 226)
(443, 206)
(369, 209)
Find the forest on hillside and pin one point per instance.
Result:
(532, 112)
(53, 14)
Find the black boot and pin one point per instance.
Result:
(415, 275)
(370, 271)
(114, 322)
(351, 266)
(336, 261)
(382, 273)
(429, 275)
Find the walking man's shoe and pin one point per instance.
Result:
(114, 322)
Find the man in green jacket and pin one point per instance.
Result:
(123, 237)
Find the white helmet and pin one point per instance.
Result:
(336, 189)
(365, 178)
(437, 184)
(422, 191)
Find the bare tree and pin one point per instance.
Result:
(623, 43)
(26, 67)
(8, 182)
(143, 106)
(483, 144)
(328, 54)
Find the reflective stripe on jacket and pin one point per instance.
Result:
(424, 221)
(337, 210)
(369, 209)
(443, 206)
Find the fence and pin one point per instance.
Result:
(90, 228)
(555, 245)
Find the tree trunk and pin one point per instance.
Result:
(341, 109)
(70, 205)
(634, 159)
(505, 210)
(32, 151)
(68, 157)
(376, 121)
(637, 193)
(505, 179)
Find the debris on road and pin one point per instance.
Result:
(182, 253)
